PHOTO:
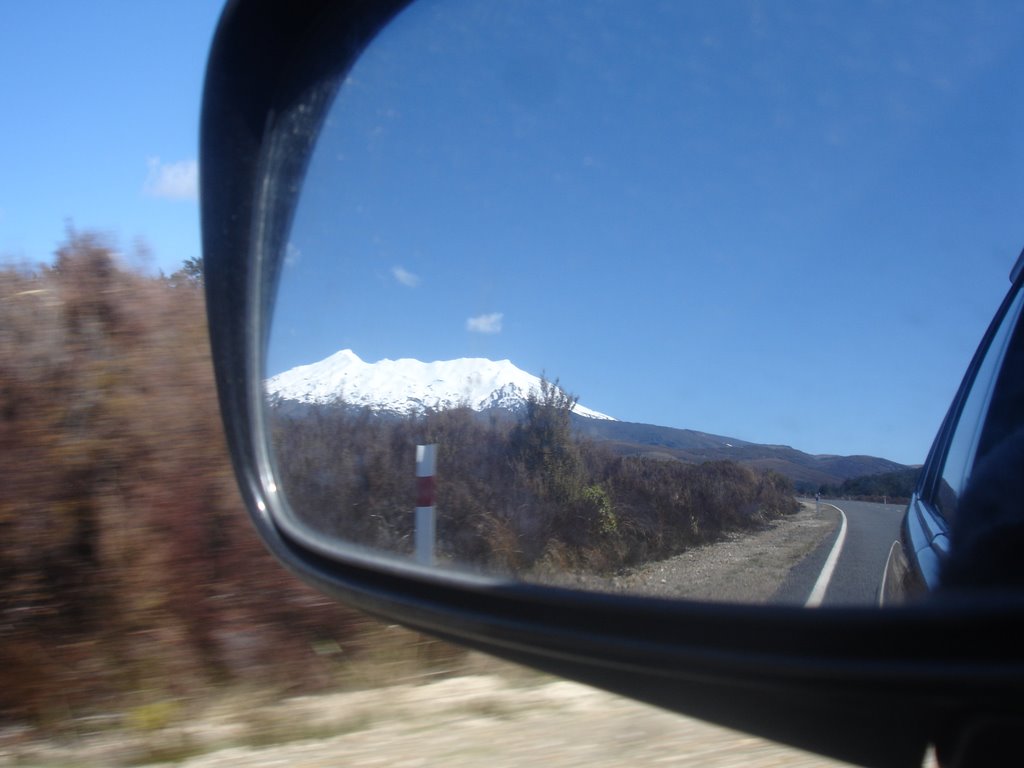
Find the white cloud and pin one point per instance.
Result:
(292, 255)
(174, 181)
(485, 323)
(405, 277)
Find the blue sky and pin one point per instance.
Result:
(787, 225)
(782, 223)
(100, 125)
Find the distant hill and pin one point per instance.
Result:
(498, 389)
(807, 471)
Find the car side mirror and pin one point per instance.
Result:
(868, 686)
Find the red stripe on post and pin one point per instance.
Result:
(425, 491)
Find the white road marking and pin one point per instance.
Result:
(821, 585)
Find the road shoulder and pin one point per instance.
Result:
(745, 567)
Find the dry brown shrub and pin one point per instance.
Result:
(128, 567)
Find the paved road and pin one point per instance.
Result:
(870, 532)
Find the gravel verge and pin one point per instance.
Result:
(501, 718)
(745, 567)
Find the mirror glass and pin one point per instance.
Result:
(603, 294)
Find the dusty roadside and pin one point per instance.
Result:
(746, 567)
(500, 717)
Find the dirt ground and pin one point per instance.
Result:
(503, 718)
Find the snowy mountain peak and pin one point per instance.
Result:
(409, 386)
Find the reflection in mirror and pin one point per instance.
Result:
(612, 263)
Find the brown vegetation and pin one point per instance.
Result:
(128, 569)
(523, 497)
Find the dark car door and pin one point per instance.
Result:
(965, 491)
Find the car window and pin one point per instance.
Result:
(993, 408)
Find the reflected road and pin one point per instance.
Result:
(871, 530)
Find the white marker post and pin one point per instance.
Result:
(425, 529)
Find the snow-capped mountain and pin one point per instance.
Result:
(409, 386)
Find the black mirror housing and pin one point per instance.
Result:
(871, 687)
